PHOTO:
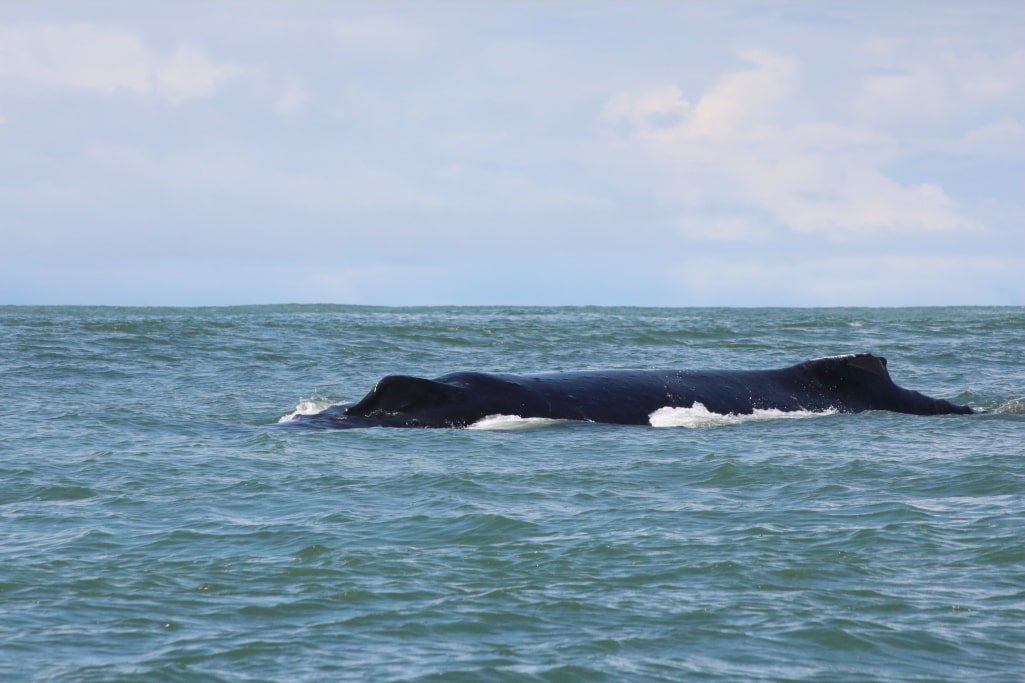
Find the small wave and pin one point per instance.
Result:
(1016, 406)
(510, 422)
(307, 406)
(700, 416)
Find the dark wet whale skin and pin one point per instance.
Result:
(848, 384)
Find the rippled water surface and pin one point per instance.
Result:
(158, 524)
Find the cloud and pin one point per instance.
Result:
(105, 59)
(734, 112)
(657, 107)
(741, 107)
(190, 73)
(815, 194)
(904, 87)
(752, 143)
(77, 56)
(998, 139)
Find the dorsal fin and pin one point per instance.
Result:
(398, 393)
(866, 361)
(875, 365)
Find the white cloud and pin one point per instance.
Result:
(999, 139)
(649, 109)
(78, 56)
(190, 73)
(815, 194)
(95, 57)
(904, 87)
(752, 143)
(736, 111)
(743, 103)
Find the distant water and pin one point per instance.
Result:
(157, 524)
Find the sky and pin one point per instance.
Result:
(570, 152)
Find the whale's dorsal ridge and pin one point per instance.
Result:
(874, 364)
(831, 365)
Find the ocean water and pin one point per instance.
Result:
(158, 523)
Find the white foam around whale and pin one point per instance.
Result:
(308, 406)
(510, 422)
(700, 416)
(695, 416)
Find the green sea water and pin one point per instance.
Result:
(157, 523)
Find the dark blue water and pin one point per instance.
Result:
(157, 524)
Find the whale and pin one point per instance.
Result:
(851, 383)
